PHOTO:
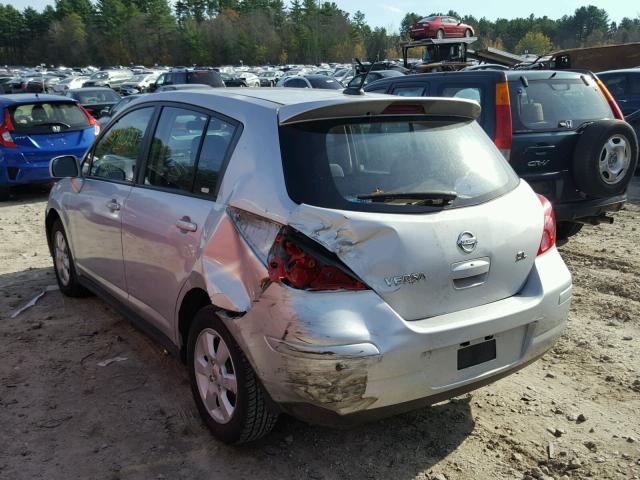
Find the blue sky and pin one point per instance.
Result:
(389, 13)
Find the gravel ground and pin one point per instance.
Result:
(573, 414)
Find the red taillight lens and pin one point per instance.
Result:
(549, 227)
(617, 113)
(504, 130)
(302, 264)
(6, 140)
(92, 121)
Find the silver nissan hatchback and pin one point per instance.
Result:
(335, 257)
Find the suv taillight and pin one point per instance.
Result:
(92, 121)
(617, 113)
(549, 227)
(6, 140)
(504, 130)
(303, 264)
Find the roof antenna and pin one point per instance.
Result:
(358, 90)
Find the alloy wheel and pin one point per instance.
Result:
(615, 158)
(61, 251)
(215, 375)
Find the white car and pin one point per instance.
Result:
(335, 257)
(69, 83)
(252, 79)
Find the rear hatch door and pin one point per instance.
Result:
(377, 192)
(46, 129)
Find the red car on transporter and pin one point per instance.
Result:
(440, 26)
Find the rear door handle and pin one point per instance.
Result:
(113, 205)
(186, 225)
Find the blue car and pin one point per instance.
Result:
(624, 85)
(36, 128)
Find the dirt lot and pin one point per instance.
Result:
(574, 414)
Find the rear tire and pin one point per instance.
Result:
(564, 230)
(233, 417)
(468, 33)
(63, 263)
(605, 158)
(440, 34)
(5, 193)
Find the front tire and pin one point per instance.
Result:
(63, 263)
(227, 392)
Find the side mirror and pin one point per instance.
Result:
(104, 112)
(64, 166)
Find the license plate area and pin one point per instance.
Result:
(471, 355)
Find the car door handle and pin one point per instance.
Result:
(113, 205)
(186, 225)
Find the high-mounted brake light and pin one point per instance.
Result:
(617, 113)
(92, 121)
(400, 109)
(301, 263)
(549, 226)
(6, 140)
(504, 130)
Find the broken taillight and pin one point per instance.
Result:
(303, 264)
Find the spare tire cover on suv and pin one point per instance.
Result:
(605, 158)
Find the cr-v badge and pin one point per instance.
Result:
(467, 242)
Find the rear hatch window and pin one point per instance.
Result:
(392, 164)
(96, 97)
(48, 117)
(556, 103)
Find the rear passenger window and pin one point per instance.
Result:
(408, 91)
(174, 149)
(634, 84)
(214, 149)
(117, 152)
(470, 93)
(616, 84)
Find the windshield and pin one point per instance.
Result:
(100, 76)
(553, 104)
(267, 74)
(48, 118)
(337, 164)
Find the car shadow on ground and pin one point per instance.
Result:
(25, 194)
(136, 419)
(633, 192)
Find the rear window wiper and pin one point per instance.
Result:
(51, 124)
(425, 198)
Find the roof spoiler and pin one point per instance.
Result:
(369, 105)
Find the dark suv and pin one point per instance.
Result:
(182, 76)
(561, 131)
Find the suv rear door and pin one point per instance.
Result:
(547, 111)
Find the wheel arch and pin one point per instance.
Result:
(52, 216)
